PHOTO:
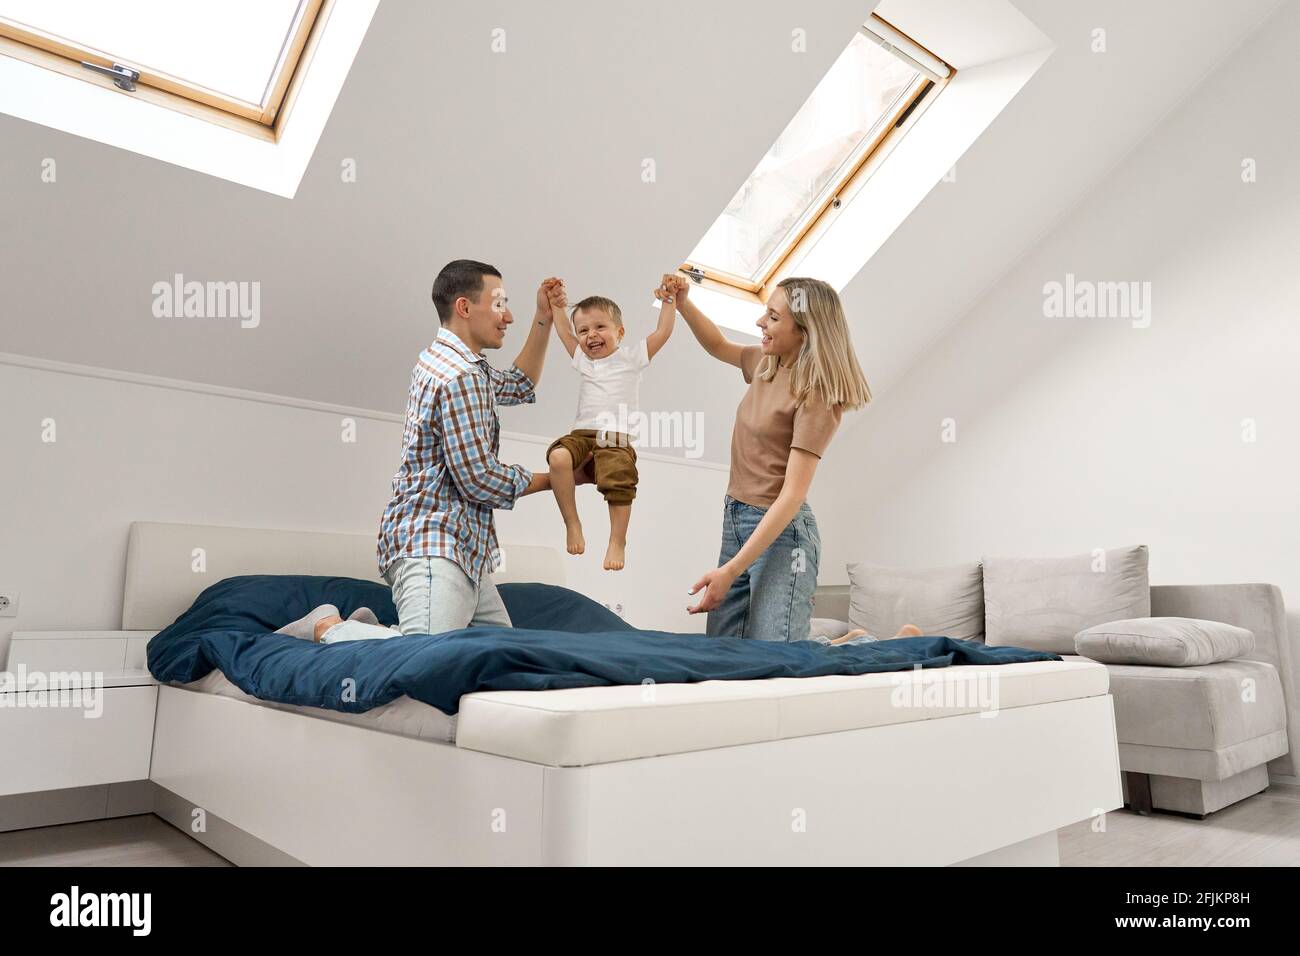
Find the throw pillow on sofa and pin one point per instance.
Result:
(945, 601)
(1164, 642)
(1042, 603)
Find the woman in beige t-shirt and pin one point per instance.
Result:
(802, 377)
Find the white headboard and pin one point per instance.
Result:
(168, 565)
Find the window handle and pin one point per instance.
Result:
(123, 77)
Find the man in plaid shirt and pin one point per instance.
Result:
(437, 541)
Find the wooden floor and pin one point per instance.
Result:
(126, 841)
(1261, 831)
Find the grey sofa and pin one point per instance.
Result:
(1196, 739)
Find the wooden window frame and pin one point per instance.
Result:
(264, 121)
(898, 122)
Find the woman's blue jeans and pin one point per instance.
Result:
(772, 600)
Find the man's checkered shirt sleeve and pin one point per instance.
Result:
(464, 409)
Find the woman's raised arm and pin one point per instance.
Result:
(703, 328)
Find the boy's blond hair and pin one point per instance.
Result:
(598, 302)
(827, 364)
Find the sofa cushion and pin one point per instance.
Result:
(945, 601)
(1164, 642)
(1207, 707)
(1042, 603)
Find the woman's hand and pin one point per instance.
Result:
(716, 584)
(664, 290)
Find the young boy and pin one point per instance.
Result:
(607, 398)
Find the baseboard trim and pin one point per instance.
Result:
(52, 808)
(222, 838)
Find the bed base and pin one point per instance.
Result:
(243, 850)
(279, 787)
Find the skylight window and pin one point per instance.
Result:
(235, 56)
(873, 87)
(239, 89)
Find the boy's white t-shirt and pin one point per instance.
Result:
(610, 388)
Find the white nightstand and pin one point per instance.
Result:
(91, 727)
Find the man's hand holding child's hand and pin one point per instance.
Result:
(557, 295)
(546, 293)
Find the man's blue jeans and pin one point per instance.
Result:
(432, 595)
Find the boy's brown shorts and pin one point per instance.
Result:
(615, 461)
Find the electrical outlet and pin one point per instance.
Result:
(8, 603)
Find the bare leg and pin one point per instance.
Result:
(856, 632)
(562, 484)
(619, 515)
(907, 630)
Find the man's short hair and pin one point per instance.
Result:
(598, 302)
(460, 277)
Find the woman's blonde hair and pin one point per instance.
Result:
(827, 365)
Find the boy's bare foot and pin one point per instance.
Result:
(576, 543)
(908, 630)
(614, 556)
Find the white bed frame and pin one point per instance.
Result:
(272, 786)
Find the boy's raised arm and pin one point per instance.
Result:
(667, 316)
(560, 319)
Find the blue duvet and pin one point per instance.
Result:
(562, 639)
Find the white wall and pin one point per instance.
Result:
(1081, 433)
(460, 154)
(127, 452)
(531, 159)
